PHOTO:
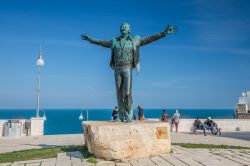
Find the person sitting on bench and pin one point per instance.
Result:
(210, 124)
(198, 125)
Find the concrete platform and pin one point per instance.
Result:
(228, 138)
(32, 142)
(36, 142)
(179, 157)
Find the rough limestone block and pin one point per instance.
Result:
(127, 141)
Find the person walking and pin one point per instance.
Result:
(140, 113)
(164, 116)
(176, 120)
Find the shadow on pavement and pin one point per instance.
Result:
(237, 135)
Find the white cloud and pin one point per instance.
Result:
(64, 42)
(168, 84)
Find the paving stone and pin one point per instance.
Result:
(33, 161)
(63, 163)
(234, 154)
(142, 162)
(5, 164)
(173, 160)
(51, 162)
(33, 164)
(123, 164)
(79, 164)
(17, 164)
(185, 159)
(160, 161)
(204, 157)
(246, 156)
(63, 157)
(105, 163)
(76, 160)
(233, 158)
(84, 162)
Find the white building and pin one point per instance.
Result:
(244, 103)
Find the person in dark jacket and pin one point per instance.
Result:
(115, 114)
(134, 116)
(211, 125)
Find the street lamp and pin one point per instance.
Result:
(39, 64)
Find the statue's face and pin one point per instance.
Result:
(125, 29)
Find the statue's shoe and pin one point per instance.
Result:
(118, 120)
(128, 121)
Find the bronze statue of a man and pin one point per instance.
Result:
(124, 58)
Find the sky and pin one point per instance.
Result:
(205, 65)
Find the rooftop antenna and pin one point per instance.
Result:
(87, 115)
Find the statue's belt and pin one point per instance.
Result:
(123, 64)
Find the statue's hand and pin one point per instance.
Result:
(85, 37)
(138, 69)
(171, 29)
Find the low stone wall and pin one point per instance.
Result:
(226, 125)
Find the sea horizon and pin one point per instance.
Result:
(66, 121)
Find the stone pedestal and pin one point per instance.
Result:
(127, 141)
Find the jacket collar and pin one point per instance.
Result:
(128, 38)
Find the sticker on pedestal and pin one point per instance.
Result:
(162, 132)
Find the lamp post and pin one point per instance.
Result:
(39, 64)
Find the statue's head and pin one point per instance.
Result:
(125, 29)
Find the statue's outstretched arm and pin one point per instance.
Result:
(103, 43)
(149, 39)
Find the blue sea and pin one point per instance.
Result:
(66, 121)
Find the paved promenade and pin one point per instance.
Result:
(34, 142)
(229, 138)
(15, 144)
(180, 156)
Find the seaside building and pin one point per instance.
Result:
(242, 110)
(26, 127)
